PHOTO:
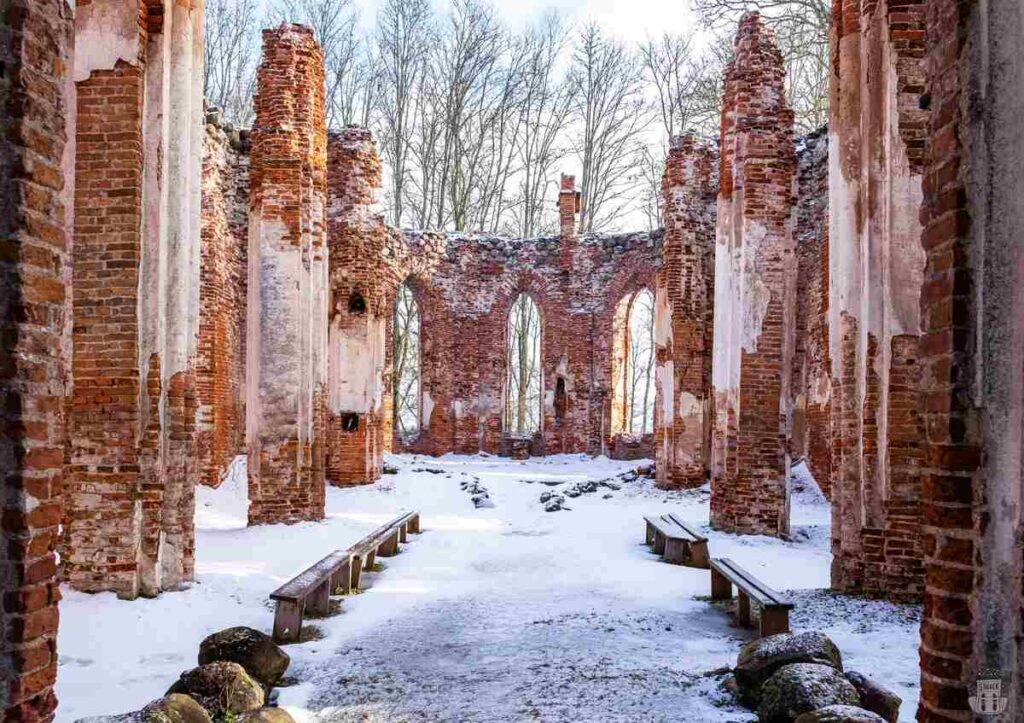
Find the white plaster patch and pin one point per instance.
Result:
(427, 411)
(105, 32)
(662, 318)
(755, 294)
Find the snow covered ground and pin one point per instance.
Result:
(502, 614)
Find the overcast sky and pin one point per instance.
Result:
(627, 19)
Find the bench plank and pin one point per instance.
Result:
(774, 608)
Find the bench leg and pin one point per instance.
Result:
(414, 524)
(341, 579)
(774, 621)
(699, 555)
(371, 559)
(721, 588)
(649, 534)
(287, 621)
(659, 543)
(319, 603)
(356, 571)
(743, 609)
(675, 551)
(389, 548)
(403, 532)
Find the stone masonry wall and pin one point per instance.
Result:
(220, 365)
(286, 339)
(685, 314)
(755, 292)
(877, 137)
(971, 357)
(35, 210)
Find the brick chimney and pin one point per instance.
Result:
(568, 207)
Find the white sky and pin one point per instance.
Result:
(626, 19)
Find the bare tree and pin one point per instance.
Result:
(405, 385)
(404, 33)
(522, 386)
(687, 84)
(608, 105)
(544, 105)
(231, 53)
(801, 30)
(640, 364)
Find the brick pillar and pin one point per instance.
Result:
(755, 291)
(877, 264)
(287, 326)
(683, 315)
(128, 514)
(972, 357)
(362, 298)
(35, 101)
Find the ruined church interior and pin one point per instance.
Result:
(225, 370)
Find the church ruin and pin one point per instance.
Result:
(176, 292)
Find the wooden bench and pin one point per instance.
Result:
(774, 608)
(677, 543)
(339, 573)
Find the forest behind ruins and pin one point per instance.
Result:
(474, 119)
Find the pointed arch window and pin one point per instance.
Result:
(633, 365)
(523, 378)
(405, 382)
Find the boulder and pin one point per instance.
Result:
(839, 714)
(759, 659)
(876, 698)
(175, 708)
(801, 688)
(266, 715)
(221, 688)
(253, 650)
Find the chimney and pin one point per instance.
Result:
(568, 207)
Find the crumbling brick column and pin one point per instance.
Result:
(755, 272)
(971, 357)
(130, 478)
(35, 101)
(286, 341)
(220, 365)
(684, 311)
(877, 136)
(362, 288)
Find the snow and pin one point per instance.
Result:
(491, 614)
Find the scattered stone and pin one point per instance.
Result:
(801, 688)
(876, 698)
(175, 708)
(253, 650)
(221, 688)
(839, 714)
(614, 486)
(482, 501)
(555, 503)
(266, 715)
(389, 470)
(761, 658)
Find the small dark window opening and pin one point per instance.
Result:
(561, 400)
(356, 303)
(349, 422)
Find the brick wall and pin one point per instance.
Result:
(220, 364)
(971, 357)
(812, 378)
(34, 328)
(877, 136)
(286, 339)
(130, 460)
(755, 291)
(685, 310)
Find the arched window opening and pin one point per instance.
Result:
(405, 381)
(633, 365)
(522, 385)
(356, 303)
